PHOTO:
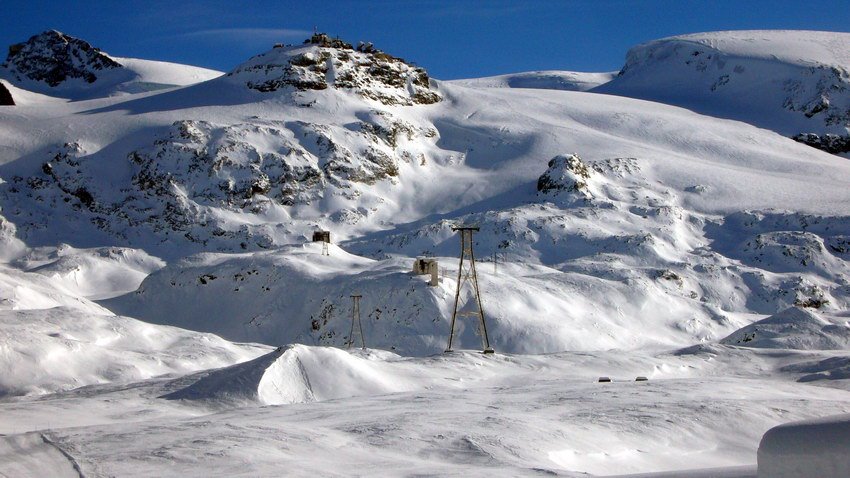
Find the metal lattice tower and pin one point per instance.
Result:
(325, 251)
(465, 275)
(355, 317)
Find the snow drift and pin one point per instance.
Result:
(297, 374)
(818, 447)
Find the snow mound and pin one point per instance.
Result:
(49, 350)
(546, 80)
(297, 374)
(21, 290)
(792, 82)
(98, 273)
(807, 448)
(793, 328)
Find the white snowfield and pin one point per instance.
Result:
(163, 311)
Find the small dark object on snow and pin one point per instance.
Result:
(641, 379)
(6, 96)
(604, 379)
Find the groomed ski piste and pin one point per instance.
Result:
(164, 312)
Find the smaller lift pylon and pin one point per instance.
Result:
(355, 318)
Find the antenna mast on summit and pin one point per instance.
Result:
(464, 275)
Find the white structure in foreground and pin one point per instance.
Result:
(808, 448)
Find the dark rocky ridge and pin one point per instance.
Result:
(53, 58)
(831, 143)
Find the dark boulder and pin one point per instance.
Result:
(6, 96)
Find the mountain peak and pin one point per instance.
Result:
(322, 62)
(53, 57)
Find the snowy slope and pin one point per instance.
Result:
(52, 338)
(547, 80)
(64, 348)
(791, 82)
(155, 75)
(55, 64)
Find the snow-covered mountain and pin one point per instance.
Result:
(697, 218)
(56, 64)
(642, 238)
(794, 82)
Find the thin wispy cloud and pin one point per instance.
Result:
(242, 34)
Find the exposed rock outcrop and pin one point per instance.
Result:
(322, 62)
(831, 143)
(567, 174)
(53, 58)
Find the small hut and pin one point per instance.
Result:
(425, 266)
(322, 236)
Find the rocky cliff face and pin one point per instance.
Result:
(54, 58)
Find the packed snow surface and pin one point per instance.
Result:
(462, 414)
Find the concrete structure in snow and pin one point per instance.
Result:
(425, 266)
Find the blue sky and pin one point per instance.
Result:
(452, 39)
